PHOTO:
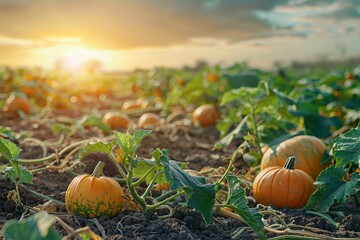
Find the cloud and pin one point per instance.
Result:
(122, 24)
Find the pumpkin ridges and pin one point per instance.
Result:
(283, 187)
(308, 150)
(92, 196)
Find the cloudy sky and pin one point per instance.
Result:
(124, 34)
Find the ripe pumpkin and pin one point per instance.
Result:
(205, 115)
(308, 151)
(283, 186)
(132, 104)
(14, 104)
(94, 196)
(149, 120)
(116, 120)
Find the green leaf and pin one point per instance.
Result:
(36, 227)
(347, 147)
(25, 176)
(201, 196)
(98, 147)
(246, 79)
(143, 166)
(93, 121)
(332, 188)
(9, 150)
(11, 173)
(58, 127)
(225, 141)
(237, 202)
(129, 143)
(6, 132)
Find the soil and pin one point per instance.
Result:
(185, 144)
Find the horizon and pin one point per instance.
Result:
(125, 35)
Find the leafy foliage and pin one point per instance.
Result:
(201, 196)
(333, 188)
(15, 173)
(347, 147)
(36, 227)
(237, 202)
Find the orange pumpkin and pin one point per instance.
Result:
(133, 105)
(14, 104)
(283, 186)
(116, 120)
(94, 196)
(308, 151)
(212, 77)
(206, 115)
(148, 120)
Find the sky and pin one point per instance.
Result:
(127, 34)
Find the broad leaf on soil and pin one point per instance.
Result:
(36, 227)
(332, 188)
(237, 202)
(201, 196)
(347, 147)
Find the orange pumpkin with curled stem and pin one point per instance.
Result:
(283, 186)
(308, 150)
(94, 196)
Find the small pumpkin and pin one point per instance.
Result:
(149, 120)
(94, 196)
(212, 77)
(308, 151)
(135, 105)
(205, 115)
(116, 120)
(283, 186)
(15, 104)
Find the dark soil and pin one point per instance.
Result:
(194, 146)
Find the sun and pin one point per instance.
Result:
(75, 58)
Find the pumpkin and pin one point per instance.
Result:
(94, 196)
(14, 104)
(283, 186)
(212, 77)
(148, 120)
(308, 151)
(134, 105)
(116, 120)
(205, 115)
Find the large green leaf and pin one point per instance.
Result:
(201, 196)
(36, 227)
(347, 147)
(332, 188)
(98, 147)
(237, 202)
(9, 150)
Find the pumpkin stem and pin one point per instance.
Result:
(290, 163)
(98, 169)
